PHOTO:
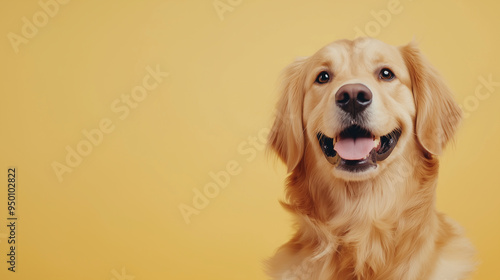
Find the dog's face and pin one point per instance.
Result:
(355, 106)
(358, 103)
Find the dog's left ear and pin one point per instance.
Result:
(438, 115)
(287, 135)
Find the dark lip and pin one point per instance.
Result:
(387, 145)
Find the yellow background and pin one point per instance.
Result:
(119, 210)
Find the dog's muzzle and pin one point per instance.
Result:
(356, 149)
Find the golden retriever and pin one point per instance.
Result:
(360, 126)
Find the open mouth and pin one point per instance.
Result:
(356, 149)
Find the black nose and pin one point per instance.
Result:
(353, 98)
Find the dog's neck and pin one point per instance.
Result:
(365, 220)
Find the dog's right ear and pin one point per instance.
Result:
(287, 135)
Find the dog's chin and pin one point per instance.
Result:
(359, 152)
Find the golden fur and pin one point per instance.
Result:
(381, 224)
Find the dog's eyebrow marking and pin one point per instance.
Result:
(323, 62)
(323, 65)
(379, 59)
(327, 64)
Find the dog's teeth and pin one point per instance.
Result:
(376, 142)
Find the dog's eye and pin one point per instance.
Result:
(323, 78)
(386, 75)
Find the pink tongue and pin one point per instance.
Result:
(354, 149)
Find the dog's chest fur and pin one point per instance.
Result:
(374, 254)
(369, 237)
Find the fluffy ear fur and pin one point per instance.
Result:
(287, 136)
(438, 115)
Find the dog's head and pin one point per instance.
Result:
(356, 106)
